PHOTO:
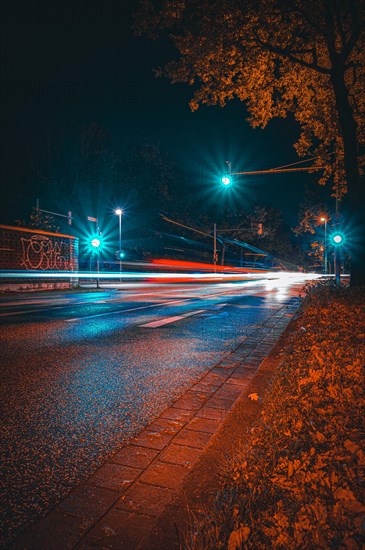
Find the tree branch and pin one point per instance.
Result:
(288, 55)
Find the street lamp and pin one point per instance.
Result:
(324, 219)
(119, 213)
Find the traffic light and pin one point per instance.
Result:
(120, 255)
(96, 242)
(226, 180)
(259, 229)
(337, 238)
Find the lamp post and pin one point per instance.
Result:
(119, 213)
(324, 219)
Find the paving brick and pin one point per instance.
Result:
(216, 378)
(146, 499)
(213, 413)
(251, 365)
(224, 367)
(221, 403)
(202, 391)
(222, 372)
(88, 501)
(244, 373)
(164, 474)
(57, 531)
(241, 381)
(152, 439)
(192, 438)
(166, 426)
(228, 392)
(118, 530)
(174, 413)
(203, 425)
(114, 476)
(206, 386)
(133, 455)
(180, 454)
(190, 401)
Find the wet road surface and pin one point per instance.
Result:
(84, 372)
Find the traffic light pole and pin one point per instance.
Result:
(337, 266)
(97, 269)
(215, 246)
(68, 216)
(337, 248)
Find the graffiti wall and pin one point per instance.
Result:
(31, 249)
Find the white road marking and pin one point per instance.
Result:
(167, 320)
(39, 310)
(203, 297)
(123, 311)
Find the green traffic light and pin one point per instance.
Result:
(226, 180)
(95, 242)
(337, 239)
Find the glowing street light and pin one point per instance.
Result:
(119, 212)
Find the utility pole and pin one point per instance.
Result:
(215, 247)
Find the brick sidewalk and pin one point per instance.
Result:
(121, 501)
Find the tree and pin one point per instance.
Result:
(39, 220)
(304, 57)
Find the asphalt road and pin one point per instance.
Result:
(82, 372)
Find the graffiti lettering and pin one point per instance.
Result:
(39, 252)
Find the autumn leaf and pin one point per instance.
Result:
(253, 397)
(238, 537)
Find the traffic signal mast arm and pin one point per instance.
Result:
(281, 169)
(277, 171)
(68, 215)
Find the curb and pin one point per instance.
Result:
(144, 496)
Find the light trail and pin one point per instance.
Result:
(157, 275)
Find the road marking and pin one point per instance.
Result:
(123, 311)
(39, 310)
(72, 304)
(167, 320)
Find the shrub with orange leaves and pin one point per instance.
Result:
(298, 482)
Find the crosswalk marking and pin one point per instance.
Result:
(167, 320)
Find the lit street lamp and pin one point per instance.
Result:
(324, 219)
(119, 213)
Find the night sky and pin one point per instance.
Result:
(68, 64)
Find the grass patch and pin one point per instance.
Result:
(298, 481)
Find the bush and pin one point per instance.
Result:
(297, 483)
